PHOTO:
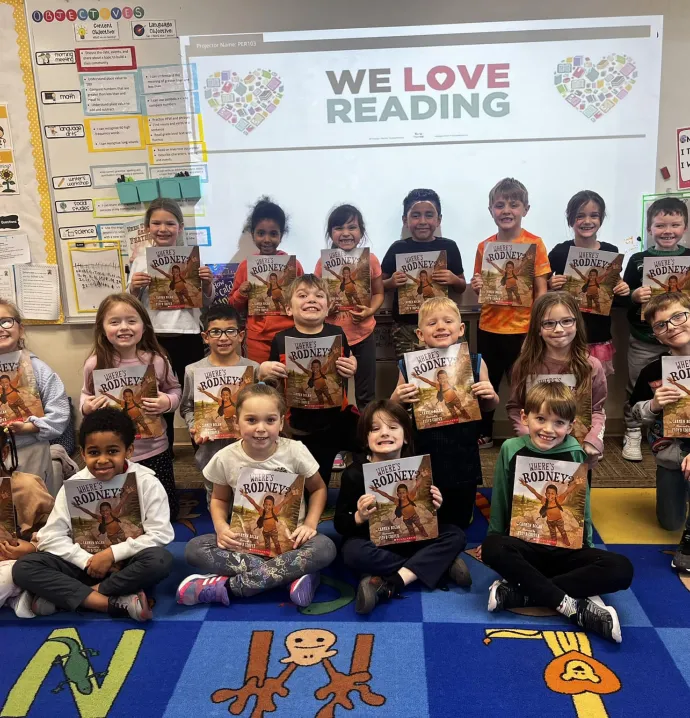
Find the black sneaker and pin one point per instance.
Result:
(681, 559)
(600, 619)
(503, 595)
(459, 573)
(372, 590)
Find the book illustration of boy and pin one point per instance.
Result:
(347, 284)
(552, 509)
(132, 408)
(424, 284)
(226, 406)
(109, 524)
(673, 284)
(274, 289)
(593, 282)
(318, 376)
(269, 516)
(179, 282)
(509, 279)
(10, 396)
(446, 394)
(405, 507)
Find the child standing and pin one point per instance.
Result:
(386, 430)
(502, 329)
(267, 224)
(539, 575)
(421, 216)
(177, 330)
(227, 569)
(124, 336)
(556, 343)
(585, 213)
(324, 432)
(454, 450)
(62, 575)
(32, 436)
(667, 315)
(346, 231)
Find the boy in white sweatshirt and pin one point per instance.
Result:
(64, 575)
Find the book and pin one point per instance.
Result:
(508, 274)
(137, 238)
(268, 275)
(19, 395)
(223, 278)
(591, 277)
(418, 267)
(549, 502)
(404, 509)
(444, 378)
(676, 372)
(347, 276)
(175, 281)
(267, 507)
(313, 381)
(666, 274)
(215, 393)
(583, 399)
(8, 524)
(104, 513)
(125, 387)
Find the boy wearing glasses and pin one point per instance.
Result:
(223, 333)
(667, 315)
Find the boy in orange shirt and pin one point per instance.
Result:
(502, 329)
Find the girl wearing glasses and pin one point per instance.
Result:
(556, 344)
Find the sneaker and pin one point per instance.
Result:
(338, 463)
(372, 590)
(503, 595)
(600, 619)
(681, 559)
(303, 589)
(199, 588)
(632, 445)
(21, 605)
(459, 573)
(485, 442)
(42, 606)
(134, 606)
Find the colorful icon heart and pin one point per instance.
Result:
(244, 102)
(595, 88)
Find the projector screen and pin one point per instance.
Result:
(316, 119)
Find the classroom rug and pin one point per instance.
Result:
(428, 654)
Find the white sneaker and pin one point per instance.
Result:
(632, 445)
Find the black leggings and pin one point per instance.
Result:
(162, 464)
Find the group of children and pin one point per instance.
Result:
(552, 337)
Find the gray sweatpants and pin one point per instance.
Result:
(671, 498)
(250, 574)
(639, 355)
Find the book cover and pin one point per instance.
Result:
(313, 381)
(347, 276)
(583, 399)
(268, 276)
(419, 267)
(508, 274)
(125, 387)
(223, 278)
(104, 513)
(666, 275)
(175, 281)
(549, 502)
(591, 277)
(19, 395)
(137, 238)
(8, 524)
(215, 393)
(404, 510)
(267, 507)
(676, 372)
(444, 378)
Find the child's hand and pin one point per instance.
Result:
(22, 427)
(478, 553)
(346, 366)
(206, 275)
(366, 508)
(523, 482)
(301, 535)
(483, 390)
(198, 439)
(157, 405)
(590, 450)
(14, 549)
(685, 467)
(93, 403)
(477, 283)
(333, 307)
(140, 280)
(272, 370)
(641, 295)
(99, 564)
(398, 279)
(664, 396)
(622, 289)
(436, 498)
(245, 288)
(406, 394)
(361, 313)
(557, 281)
(443, 276)
(227, 539)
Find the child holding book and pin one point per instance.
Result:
(537, 574)
(502, 329)
(324, 432)
(585, 214)
(33, 435)
(268, 225)
(556, 343)
(227, 569)
(63, 575)
(124, 337)
(453, 448)
(386, 430)
(422, 217)
(667, 222)
(347, 231)
(667, 315)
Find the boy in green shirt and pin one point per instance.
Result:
(540, 575)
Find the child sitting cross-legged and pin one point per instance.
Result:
(533, 574)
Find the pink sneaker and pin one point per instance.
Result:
(198, 588)
(303, 589)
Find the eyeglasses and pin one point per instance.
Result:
(218, 333)
(658, 328)
(8, 322)
(551, 324)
